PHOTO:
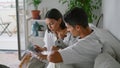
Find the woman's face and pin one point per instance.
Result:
(53, 24)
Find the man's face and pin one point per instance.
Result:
(73, 30)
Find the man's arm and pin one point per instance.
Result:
(55, 57)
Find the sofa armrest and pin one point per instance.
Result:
(105, 60)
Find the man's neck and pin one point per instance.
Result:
(85, 32)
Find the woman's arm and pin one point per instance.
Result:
(44, 57)
(25, 60)
(39, 49)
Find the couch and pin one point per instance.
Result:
(110, 56)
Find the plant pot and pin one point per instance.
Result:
(35, 14)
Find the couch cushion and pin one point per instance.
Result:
(105, 60)
(111, 44)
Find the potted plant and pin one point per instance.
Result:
(36, 12)
(37, 29)
(41, 30)
(88, 5)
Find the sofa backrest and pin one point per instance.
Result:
(111, 43)
(105, 60)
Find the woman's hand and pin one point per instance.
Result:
(39, 49)
(41, 56)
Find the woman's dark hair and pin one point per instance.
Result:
(55, 14)
(3, 66)
(76, 16)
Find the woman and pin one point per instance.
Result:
(56, 31)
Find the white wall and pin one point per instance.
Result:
(53, 4)
(48, 4)
(111, 10)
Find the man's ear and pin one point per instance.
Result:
(77, 27)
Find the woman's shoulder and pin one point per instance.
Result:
(68, 36)
(49, 33)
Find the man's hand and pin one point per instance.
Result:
(54, 57)
(54, 48)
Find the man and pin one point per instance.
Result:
(82, 53)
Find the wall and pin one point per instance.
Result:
(111, 10)
(53, 4)
(46, 5)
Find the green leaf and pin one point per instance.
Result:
(87, 5)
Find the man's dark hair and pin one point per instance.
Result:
(76, 16)
(55, 14)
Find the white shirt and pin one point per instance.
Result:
(82, 53)
(50, 39)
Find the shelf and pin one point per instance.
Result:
(38, 20)
(37, 40)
